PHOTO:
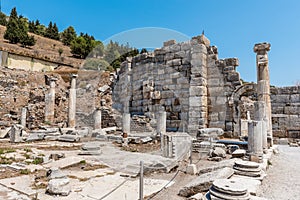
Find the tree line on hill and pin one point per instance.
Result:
(82, 45)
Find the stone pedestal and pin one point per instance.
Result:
(50, 101)
(72, 102)
(23, 117)
(97, 119)
(126, 123)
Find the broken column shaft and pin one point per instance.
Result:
(161, 122)
(23, 117)
(260, 115)
(255, 148)
(50, 101)
(263, 84)
(72, 102)
(97, 119)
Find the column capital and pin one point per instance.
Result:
(262, 47)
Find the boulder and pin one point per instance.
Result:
(219, 152)
(59, 187)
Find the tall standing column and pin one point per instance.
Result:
(263, 84)
(50, 101)
(72, 102)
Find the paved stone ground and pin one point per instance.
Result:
(283, 180)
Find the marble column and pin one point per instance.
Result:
(97, 119)
(50, 101)
(161, 122)
(72, 102)
(260, 115)
(23, 117)
(126, 123)
(255, 147)
(263, 84)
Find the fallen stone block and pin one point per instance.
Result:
(69, 138)
(191, 169)
(146, 139)
(4, 132)
(67, 130)
(218, 152)
(35, 137)
(59, 187)
(55, 173)
(204, 181)
(239, 153)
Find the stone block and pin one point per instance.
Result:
(198, 91)
(232, 61)
(169, 42)
(185, 46)
(175, 47)
(233, 76)
(191, 169)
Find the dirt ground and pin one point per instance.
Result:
(283, 180)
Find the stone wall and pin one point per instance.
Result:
(286, 111)
(15, 61)
(186, 80)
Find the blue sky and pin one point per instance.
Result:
(234, 26)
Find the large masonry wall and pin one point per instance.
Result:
(286, 111)
(173, 79)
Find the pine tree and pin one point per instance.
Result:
(16, 31)
(52, 31)
(68, 35)
(3, 21)
(55, 32)
(12, 33)
(31, 27)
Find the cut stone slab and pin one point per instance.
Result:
(64, 162)
(35, 137)
(20, 184)
(69, 138)
(146, 139)
(239, 153)
(204, 181)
